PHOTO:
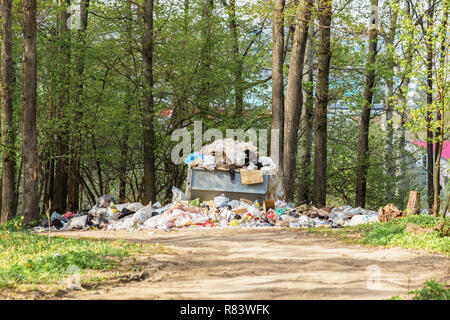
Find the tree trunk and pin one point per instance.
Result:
(237, 59)
(389, 107)
(30, 200)
(8, 208)
(440, 112)
(205, 94)
(305, 183)
(429, 115)
(294, 97)
(149, 183)
(277, 75)
(124, 153)
(62, 143)
(73, 188)
(363, 138)
(403, 100)
(128, 98)
(320, 112)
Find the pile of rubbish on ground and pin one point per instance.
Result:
(219, 212)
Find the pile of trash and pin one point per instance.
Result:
(231, 154)
(220, 212)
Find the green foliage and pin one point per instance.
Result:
(342, 141)
(432, 290)
(16, 224)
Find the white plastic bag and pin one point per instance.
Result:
(221, 201)
(135, 206)
(143, 215)
(178, 195)
(209, 162)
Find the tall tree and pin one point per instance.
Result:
(62, 141)
(277, 74)
(205, 94)
(237, 58)
(30, 194)
(305, 184)
(389, 100)
(363, 137)
(149, 192)
(73, 186)
(442, 100)
(321, 109)
(123, 170)
(429, 115)
(8, 203)
(403, 101)
(294, 98)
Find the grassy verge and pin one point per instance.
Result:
(32, 259)
(393, 234)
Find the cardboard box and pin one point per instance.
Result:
(268, 204)
(251, 176)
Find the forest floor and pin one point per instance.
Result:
(261, 264)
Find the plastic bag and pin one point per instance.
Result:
(156, 205)
(56, 215)
(209, 162)
(192, 157)
(178, 195)
(135, 206)
(234, 204)
(254, 211)
(221, 201)
(105, 201)
(111, 211)
(155, 222)
(362, 219)
(77, 223)
(304, 222)
(143, 215)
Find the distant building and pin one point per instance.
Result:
(445, 161)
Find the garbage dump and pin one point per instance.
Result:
(253, 201)
(220, 212)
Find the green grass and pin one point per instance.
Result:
(27, 258)
(393, 234)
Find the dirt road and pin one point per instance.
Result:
(267, 264)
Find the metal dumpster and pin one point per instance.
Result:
(206, 185)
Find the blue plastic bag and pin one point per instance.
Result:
(192, 157)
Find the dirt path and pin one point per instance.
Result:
(268, 264)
